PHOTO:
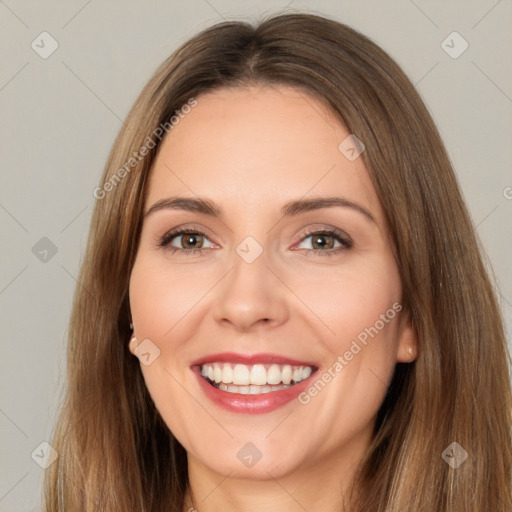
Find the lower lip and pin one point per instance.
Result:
(250, 404)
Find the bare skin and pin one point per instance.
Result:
(250, 151)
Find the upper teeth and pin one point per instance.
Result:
(259, 374)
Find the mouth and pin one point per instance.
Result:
(254, 379)
(252, 384)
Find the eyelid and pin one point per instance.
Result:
(184, 227)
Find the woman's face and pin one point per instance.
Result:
(317, 287)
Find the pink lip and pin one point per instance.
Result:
(233, 357)
(250, 404)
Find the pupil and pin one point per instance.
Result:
(318, 239)
(190, 240)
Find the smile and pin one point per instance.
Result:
(253, 379)
(252, 383)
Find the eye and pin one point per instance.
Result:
(191, 239)
(323, 242)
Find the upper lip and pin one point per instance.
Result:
(262, 358)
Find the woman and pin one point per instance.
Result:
(283, 303)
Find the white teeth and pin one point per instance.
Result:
(227, 373)
(286, 374)
(274, 374)
(254, 375)
(258, 375)
(241, 375)
(250, 390)
(306, 372)
(217, 372)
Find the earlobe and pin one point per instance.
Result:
(132, 344)
(133, 340)
(407, 340)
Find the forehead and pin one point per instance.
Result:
(258, 146)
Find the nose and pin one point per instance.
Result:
(251, 295)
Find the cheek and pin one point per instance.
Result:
(353, 304)
(160, 298)
(359, 310)
(162, 306)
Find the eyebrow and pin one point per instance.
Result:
(292, 208)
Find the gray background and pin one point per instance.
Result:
(60, 116)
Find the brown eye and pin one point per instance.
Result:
(320, 241)
(323, 242)
(191, 240)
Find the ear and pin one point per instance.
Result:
(132, 345)
(407, 350)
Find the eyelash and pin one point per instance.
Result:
(345, 241)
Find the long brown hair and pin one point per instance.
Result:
(115, 453)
